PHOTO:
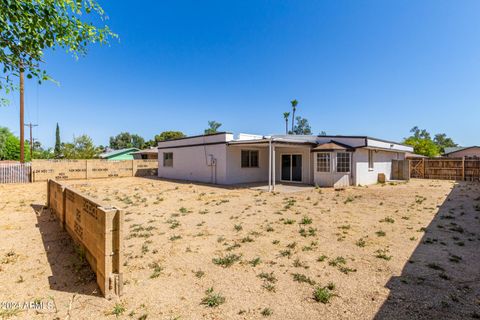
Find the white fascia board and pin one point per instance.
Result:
(377, 144)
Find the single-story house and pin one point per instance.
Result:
(151, 153)
(461, 152)
(317, 160)
(120, 154)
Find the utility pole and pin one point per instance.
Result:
(30, 125)
(22, 133)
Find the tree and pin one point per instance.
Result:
(169, 135)
(29, 28)
(286, 115)
(442, 142)
(137, 141)
(322, 133)
(58, 144)
(10, 146)
(422, 142)
(126, 140)
(82, 147)
(294, 104)
(302, 126)
(212, 127)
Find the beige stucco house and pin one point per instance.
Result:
(317, 160)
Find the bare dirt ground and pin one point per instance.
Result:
(408, 251)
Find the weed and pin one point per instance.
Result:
(306, 220)
(388, 220)
(266, 312)
(380, 233)
(118, 309)
(212, 299)
(289, 221)
(227, 261)
(311, 232)
(255, 262)
(383, 254)
(298, 277)
(349, 199)
(270, 277)
(157, 270)
(268, 286)
(199, 274)
(298, 264)
(238, 227)
(247, 239)
(361, 243)
(322, 258)
(337, 261)
(174, 237)
(322, 294)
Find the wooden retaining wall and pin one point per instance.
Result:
(42, 170)
(446, 169)
(96, 229)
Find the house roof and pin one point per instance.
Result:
(113, 153)
(414, 155)
(149, 150)
(456, 149)
(333, 146)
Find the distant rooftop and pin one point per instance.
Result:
(456, 149)
(116, 152)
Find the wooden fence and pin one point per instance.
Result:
(96, 229)
(42, 170)
(446, 169)
(400, 170)
(14, 172)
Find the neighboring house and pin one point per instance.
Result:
(151, 153)
(121, 154)
(460, 152)
(414, 156)
(318, 160)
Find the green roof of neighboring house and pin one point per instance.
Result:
(121, 154)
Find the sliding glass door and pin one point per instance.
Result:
(292, 167)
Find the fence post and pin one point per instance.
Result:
(463, 168)
(423, 168)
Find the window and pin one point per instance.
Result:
(168, 159)
(249, 159)
(343, 162)
(323, 162)
(370, 159)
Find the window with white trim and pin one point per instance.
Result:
(370, 159)
(343, 162)
(249, 159)
(323, 162)
(168, 159)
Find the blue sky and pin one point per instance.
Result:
(373, 68)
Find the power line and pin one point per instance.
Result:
(31, 125)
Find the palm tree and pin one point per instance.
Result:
(294, 103)
(285, 116)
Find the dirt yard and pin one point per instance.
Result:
(397, 251)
